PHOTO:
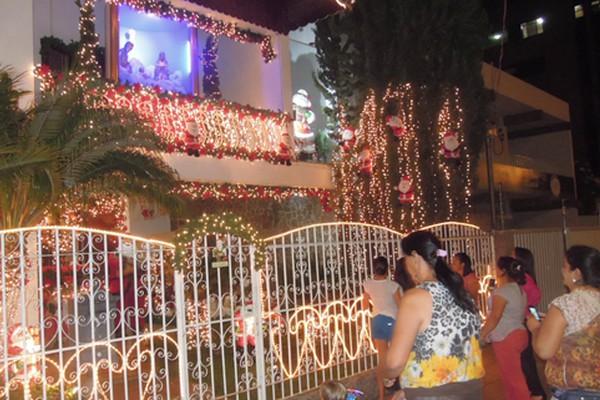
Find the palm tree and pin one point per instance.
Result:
(68, 144)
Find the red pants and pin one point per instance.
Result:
(508, 354)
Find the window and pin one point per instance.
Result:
(532, 28)
(578, 11)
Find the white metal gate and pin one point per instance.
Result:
(312, 291)
(102, 315)
(86, 314)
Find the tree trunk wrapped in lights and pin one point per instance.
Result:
(407, 76)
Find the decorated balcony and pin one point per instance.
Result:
(199, 126)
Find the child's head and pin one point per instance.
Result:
(380, 266)
(333, 390)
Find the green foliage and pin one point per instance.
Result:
(433, 45)
(48, 43)
(67, 143)
(323, 146)
(215, 224)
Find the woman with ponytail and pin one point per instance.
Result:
(504, 326)
(435, 347)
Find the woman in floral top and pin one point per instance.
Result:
(435, 346)
(569, 336)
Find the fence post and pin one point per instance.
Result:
(180, 308)
(258, 318)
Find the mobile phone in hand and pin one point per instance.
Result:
(535, 313)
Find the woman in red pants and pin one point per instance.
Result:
(504, 327)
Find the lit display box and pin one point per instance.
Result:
(155, 51)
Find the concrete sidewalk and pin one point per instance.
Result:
(493, 388)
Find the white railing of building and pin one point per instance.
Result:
(224, 328)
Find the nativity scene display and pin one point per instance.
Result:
(154, 51)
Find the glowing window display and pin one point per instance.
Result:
(154, 51)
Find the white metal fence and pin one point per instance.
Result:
(91, 314)
(85, 314)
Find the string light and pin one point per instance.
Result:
(189, 124)
(120, 363)
(441, 187)
(211, 225)
(225, 192)
(312, 327)
(211, 25)
(221, 128)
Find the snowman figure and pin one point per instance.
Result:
(407, 194)
(450, 145)
(304, 137)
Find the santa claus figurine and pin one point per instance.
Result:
(285, 151)
(395, 122)
(407, 194)
(365, 161)
(450, 145)
(245, 326)
(192, 138)
(348, 138)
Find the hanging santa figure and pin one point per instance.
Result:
(407, 194)
(348, 138)
(397, 125)
(192, 138)
(365, 161)
(450, 145)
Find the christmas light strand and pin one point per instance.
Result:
(211, 25)
(226, 192)
(431, 184)
(211, 225)
(199, 126)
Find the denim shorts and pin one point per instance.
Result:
(574, 394)
(382, 327)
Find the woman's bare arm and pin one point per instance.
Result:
(414, 315)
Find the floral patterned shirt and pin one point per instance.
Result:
(576, 363)
(448, 351)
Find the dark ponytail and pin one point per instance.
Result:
(426, 245)
(525, 258)
(513, 268)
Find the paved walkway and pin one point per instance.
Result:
(493, 388)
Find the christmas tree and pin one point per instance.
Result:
(404, 80)
(210, 80)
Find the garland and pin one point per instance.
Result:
(204, 191)
(223, 128)
(213, 224)
(213, 26)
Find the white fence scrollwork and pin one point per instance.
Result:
(103, 315)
